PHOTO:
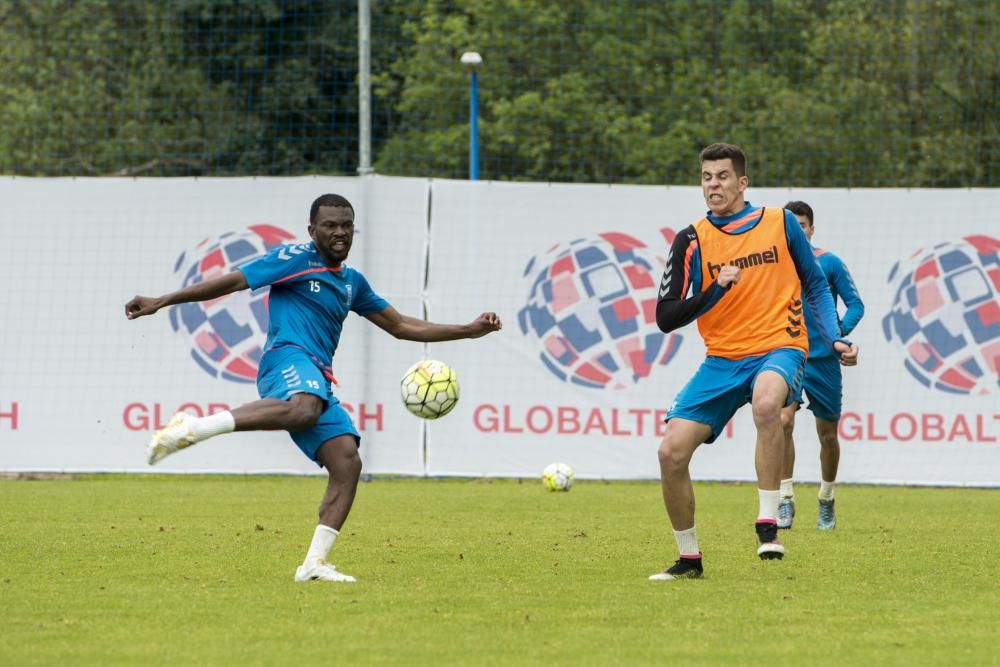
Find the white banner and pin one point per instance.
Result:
(580, 373)
(567, 267)
(81, 387)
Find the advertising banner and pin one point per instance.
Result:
(580, 372)
(82, 388)
(583, 375)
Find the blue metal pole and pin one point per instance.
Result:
(474, 128)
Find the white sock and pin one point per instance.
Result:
(687, 542)
(768, 505)
(826, 490)
(214, 424)
(786, 489)
(322, 542)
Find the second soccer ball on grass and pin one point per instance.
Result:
(429, 389)
(557, 477)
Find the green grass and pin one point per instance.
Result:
(131, 570)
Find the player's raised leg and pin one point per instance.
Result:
(786, 506)
(340, 457)
(679, 442)
(184, 429)
(829, 459)
(769, 394)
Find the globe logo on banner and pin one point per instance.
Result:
(226, 334)
(945, 315)
(591, 310)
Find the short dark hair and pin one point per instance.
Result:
(801, 208)
(327, 200)
(720, 151)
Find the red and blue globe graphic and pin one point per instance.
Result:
(945, 315)
(591, 309)
(226, 334)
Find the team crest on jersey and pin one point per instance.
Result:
(350, 294)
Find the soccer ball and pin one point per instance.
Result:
(429, 389)
(557, 477)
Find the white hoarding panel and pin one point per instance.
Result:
(580, 372)
(572, 269)
(86, 387)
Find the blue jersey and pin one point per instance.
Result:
(309, 300)
(842, 287)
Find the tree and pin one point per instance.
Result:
(91, 88)
(840, 93)
(820, 93)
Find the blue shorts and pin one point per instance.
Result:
(286, 371)
(823, 386)
(720, 387)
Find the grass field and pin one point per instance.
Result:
(108, 570)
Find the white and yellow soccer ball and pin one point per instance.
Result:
(429, 389)
(557, 477)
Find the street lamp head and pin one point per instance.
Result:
(471, 60)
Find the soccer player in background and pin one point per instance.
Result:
(822, 383)
(745, 267)
(312, 291)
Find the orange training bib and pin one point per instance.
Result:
(763, 311)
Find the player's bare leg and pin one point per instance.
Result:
(679, 442)
(786, 506)
(343, 466)
(769, 394)
(829, 460)
(298, 413)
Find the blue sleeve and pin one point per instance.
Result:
(367, 301)
(282, 262)
(818, 296)
(845, 288)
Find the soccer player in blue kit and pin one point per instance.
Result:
(822, 384)
(312, 291)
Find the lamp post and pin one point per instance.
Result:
(472, 61)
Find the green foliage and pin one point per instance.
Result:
(282, 65)
(838, 93)
(92, 88)
(198, 570)
(196, 87)
(847, 93)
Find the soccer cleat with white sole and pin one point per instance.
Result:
(178, 434)
(683, 568)
(320, 570)
(827, 519)
(770, 547)
(786, 513)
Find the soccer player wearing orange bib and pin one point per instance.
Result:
(746, 268)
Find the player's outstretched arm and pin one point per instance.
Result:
(405, 327)
(140, 306)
